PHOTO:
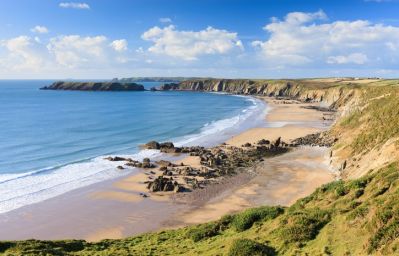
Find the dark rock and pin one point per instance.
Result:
(162, 184)
(165, 163)
(116, 158)
(264, 142)
(151, 145)
(120, 167)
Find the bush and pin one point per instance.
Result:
(246, 219)
(303, 226)
(247, 247)
(204, 231)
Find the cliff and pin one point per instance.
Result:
(94, 86)
(330, 93)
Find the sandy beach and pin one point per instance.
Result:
(115, 209)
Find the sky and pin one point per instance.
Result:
(103, 39)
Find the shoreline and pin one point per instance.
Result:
(124, 209)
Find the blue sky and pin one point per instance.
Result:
(219, 38)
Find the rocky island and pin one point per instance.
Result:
(94, 86)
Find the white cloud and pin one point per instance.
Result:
(306, 38)
(356, 58)
(74, 50)
(74, 5)
(22, 54)
(39, 29)
(119, 45)
(189, 45)
(165, 20)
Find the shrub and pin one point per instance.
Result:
(246, 219)
(203, 231)
(247, 247)
(303, 226)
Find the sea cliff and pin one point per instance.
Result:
(94, 86)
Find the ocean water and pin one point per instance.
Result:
(52, 142)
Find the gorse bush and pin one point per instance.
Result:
(302, 226)
(246, 219)
(247, 247)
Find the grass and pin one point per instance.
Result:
(245, 247)
(375, 121)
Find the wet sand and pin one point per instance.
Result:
(115, 209)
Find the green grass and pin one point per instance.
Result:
(376, 119)
(245, 247)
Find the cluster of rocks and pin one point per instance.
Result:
(169, 147)
(322, 139)
(130, 162)
(164, 184)
(215, 163)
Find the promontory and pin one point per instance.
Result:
(94, 86)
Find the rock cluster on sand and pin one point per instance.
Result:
(164, 184)
(322, 139)
(215, 163)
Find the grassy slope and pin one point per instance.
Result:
(354, 217)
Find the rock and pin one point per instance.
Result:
(143, 195)
(247, 145)
(167, 145)
(162, 184)
(165, 163)
(151, 145)
(120, 167)
(179, 189)
(277, 142)
(264, 142)
(116, 158)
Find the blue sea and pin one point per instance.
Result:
(52, 142)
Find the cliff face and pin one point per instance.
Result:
(329, 94)
(94, 86)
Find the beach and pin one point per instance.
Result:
(115, 208)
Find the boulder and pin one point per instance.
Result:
(162, 184)
(116, 158)
(264, 142)
(277, 142)
(164, 163)
(151, 145)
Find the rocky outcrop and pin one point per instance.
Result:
(94, 86)
(162, 184)
(322, 139)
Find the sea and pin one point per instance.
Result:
(53, 142)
